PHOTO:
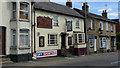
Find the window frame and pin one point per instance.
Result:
(13, 43)
(77, 41)
(107, 25)
(101, 25)
(28, 40)
(77, 25)
(27, 11)
(55, 20)
(92, 24)
(55, 39)
(14, 10)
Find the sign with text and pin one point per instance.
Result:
(69, 25)
(46, 53)
(44, 22)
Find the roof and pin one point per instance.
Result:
(99, 17)
(57, 8)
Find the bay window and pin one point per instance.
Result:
(24, 38)
(13, 10)
(79, 38)
(24, 10)
(52, 39)
(13, 37)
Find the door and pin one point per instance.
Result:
(95, 46)
(107, 43)
(2, 40)
(63, 46)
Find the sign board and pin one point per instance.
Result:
(41, 41)
(91, 37)
(44, 22)
(46, 53)
(69, 25)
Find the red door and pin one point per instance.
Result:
(2, 40)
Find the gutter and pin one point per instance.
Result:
(34, 31)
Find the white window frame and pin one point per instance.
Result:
(55, 39)
(55, 20)
(13, 10)
(92, 24)
(101, 23)
(78, 39)
(103, 42)
(111, 27)
(25, 11)
(13, 43)
(77, 25)
(106, 26)
(25, 34)
(91, 44)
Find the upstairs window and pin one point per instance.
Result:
(111, 27)
(14, 10)
(55, 20)
(101, 25)
(92, 24)
(24, 10)
(77, 23)
(106, 26)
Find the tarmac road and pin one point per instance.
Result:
(102, 60)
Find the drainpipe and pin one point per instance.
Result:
(34, 31)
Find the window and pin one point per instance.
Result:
(77, 23)
(107, 26)
(102, 42)
(14, 10)
(13, 37)
(92, 24)
(55, 20)
(111, 27)
(79, 38)
(52, 39)
(101, 25)
(24, 38)
(91, 42)
(24, 10)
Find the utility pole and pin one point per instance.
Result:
(86, 28)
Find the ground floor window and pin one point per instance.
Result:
(52, 39)
(91, 42)
(13, 37)
(102, 42)
(113, 42)
(24, 38)
(79, 38)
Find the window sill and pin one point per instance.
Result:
(25, 20)
(52, 44)
(77, 27)
(111, 31)
(13, 20)
(22, 48)
(78, 43)
(56, 25)
(13, 47)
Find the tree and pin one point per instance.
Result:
(118, 40)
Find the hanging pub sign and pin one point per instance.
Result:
(44, 22)
(69, 25)
(69, 40)
(41, 41)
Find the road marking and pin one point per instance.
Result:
(115, 62)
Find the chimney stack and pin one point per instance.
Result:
(69, 3)
(104, 14)
(85, 5)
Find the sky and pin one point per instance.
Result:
(96, 7)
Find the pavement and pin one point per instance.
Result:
(99, 59)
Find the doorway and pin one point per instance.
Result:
(63, 44)
(2, 41)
